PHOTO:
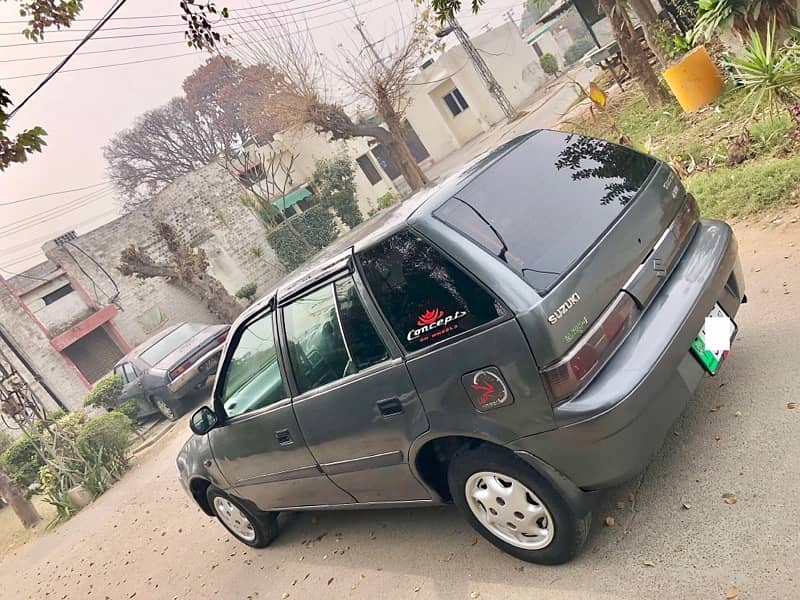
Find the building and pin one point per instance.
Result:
(75, 315)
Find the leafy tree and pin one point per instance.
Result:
(105, 393)
(44, 14)
(334, 185)
(549, 63)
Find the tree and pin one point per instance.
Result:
(549, 63)
(188, 269)
(62, 13)
(233, 97)
(23, 508)
(632, 52)
(383, 82)
(335, 188)
(302, 95)
(163, 144)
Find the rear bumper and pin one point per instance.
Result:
(608, 433)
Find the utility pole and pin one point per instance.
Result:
(368, 43)
(492, 85)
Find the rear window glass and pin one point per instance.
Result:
(548, 200)
(177, 337)
(423, 295)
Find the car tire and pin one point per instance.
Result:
(168, 409)
(514, 507)
(253, 528)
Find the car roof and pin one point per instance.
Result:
(419, 206)
(135, 352)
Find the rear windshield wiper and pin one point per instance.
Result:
(504, 249)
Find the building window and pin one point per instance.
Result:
(455, 102)
(368, 169)
(57, 294)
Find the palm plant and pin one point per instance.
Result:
(715, 16)
(768, 71)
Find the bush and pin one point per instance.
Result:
(316, 225)
(21, 462)
(549, 63)
(387, 200)
(335, 187)
(5, 441)
(247, 292)
(129, 408)
(575, 52)
(105, 393)
(105, 439)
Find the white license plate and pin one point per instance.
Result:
(712, 359)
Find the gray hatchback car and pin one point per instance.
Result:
(511, 340)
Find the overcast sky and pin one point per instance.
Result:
(82, 110)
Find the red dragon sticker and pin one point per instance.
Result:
(486, 389)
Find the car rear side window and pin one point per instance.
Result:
(252, 378)
(366, 347)
(425, 297)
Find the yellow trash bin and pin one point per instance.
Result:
(695, 81)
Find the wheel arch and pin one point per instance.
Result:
(432, 460)
(198, 486)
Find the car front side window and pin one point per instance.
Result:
(252, 378)
(120, 372)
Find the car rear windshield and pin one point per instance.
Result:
(177, 337)
(543, 204)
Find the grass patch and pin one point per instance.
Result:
(701, 140)
(746, 189)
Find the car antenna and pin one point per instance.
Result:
(504, 249)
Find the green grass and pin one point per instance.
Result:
(746, 189)
(701, 139)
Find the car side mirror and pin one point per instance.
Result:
(203, 421)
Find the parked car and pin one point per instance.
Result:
(162, 371)
(515, 338)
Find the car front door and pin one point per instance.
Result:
(355, 402)
(132, 387)
(259, 446)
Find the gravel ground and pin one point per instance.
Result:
(673, 534)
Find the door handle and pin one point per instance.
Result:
(284, 437)
(390, 407)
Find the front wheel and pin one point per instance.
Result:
(514, 507)
(251, 528)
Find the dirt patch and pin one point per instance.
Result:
(13, 534)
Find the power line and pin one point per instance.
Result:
(80, 189)
(194, 53)
(226, 23)
(57, 211)
(23, 275)
(59, 66)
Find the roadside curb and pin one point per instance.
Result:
(145, 445)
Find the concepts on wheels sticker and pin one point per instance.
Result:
(434, 323)
(487, 389)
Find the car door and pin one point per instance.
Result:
(132, 387)
(466, 353)
(355, 402)
(259, 446)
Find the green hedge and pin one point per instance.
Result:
(577, 50)
(105, 393)
(108, 437)
(316, 225)
(21, 462)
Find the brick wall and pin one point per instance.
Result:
(204, 208)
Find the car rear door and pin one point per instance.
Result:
(355, 402)
(465, 352)
(259, 446)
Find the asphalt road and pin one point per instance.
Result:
(673, 535)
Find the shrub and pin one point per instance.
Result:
(105, 440)
(316, 225)
(575, 52)
(336, 189)
(21, 462)
(387, 200)
(105, 393)
(129, 408)
(247, 292)
(549, 63)
(71, 423)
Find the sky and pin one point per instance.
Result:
(82, 110)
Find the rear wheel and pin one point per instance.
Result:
(168, 409)
(514, 507)
(251, 528)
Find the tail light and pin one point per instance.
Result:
(180, 369)
(220, 339)
(579, 366)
